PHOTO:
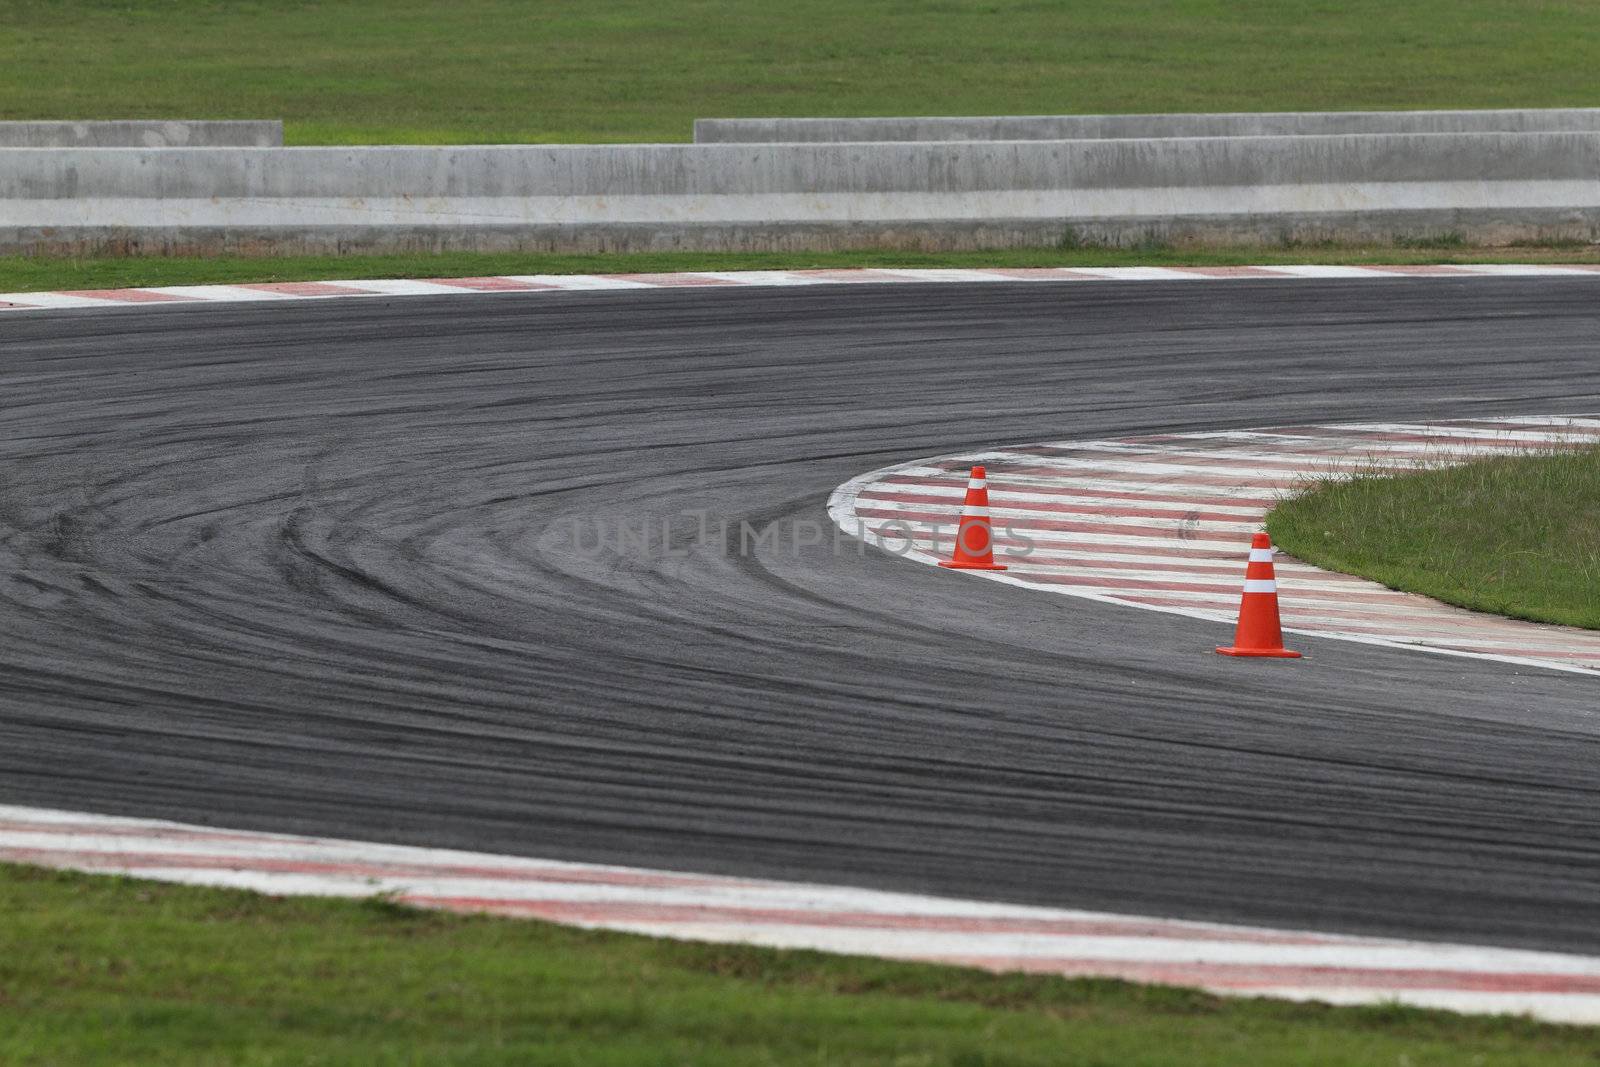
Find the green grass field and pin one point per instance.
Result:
(422, 71)
(1514, 535)
(109, 971)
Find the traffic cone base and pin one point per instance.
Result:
(963, 566)
(1268, 653)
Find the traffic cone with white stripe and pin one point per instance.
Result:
(1259, 632)
(974, 545)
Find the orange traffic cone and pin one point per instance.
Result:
(974, 550)
(1259, 632)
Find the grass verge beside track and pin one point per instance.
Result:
(476, 71)
(41, 273)
(97, 970)
(1514, 535)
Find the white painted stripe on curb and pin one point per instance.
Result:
(579, 281)
(1312, 271)
(1525, 270)
(60, 300)
(226, 294)
(1140, 274)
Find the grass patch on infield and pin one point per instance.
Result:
(42, 273)
(1515, 535)
(481, 71)
(98, 970)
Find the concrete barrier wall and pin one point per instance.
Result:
(1485, 187)
(143, 133)
(1090, 127)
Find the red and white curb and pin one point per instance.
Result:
(1001, 937)
(1164, 523)
(543, 283)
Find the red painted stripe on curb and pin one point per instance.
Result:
(1098, 549)
(1429, 270)
(1042, 559)
(130, 296)
(1097, 582)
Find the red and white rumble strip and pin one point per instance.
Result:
(541, 283)
(1164, 523)
(1004, 937)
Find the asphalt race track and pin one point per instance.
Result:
(312, 567)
